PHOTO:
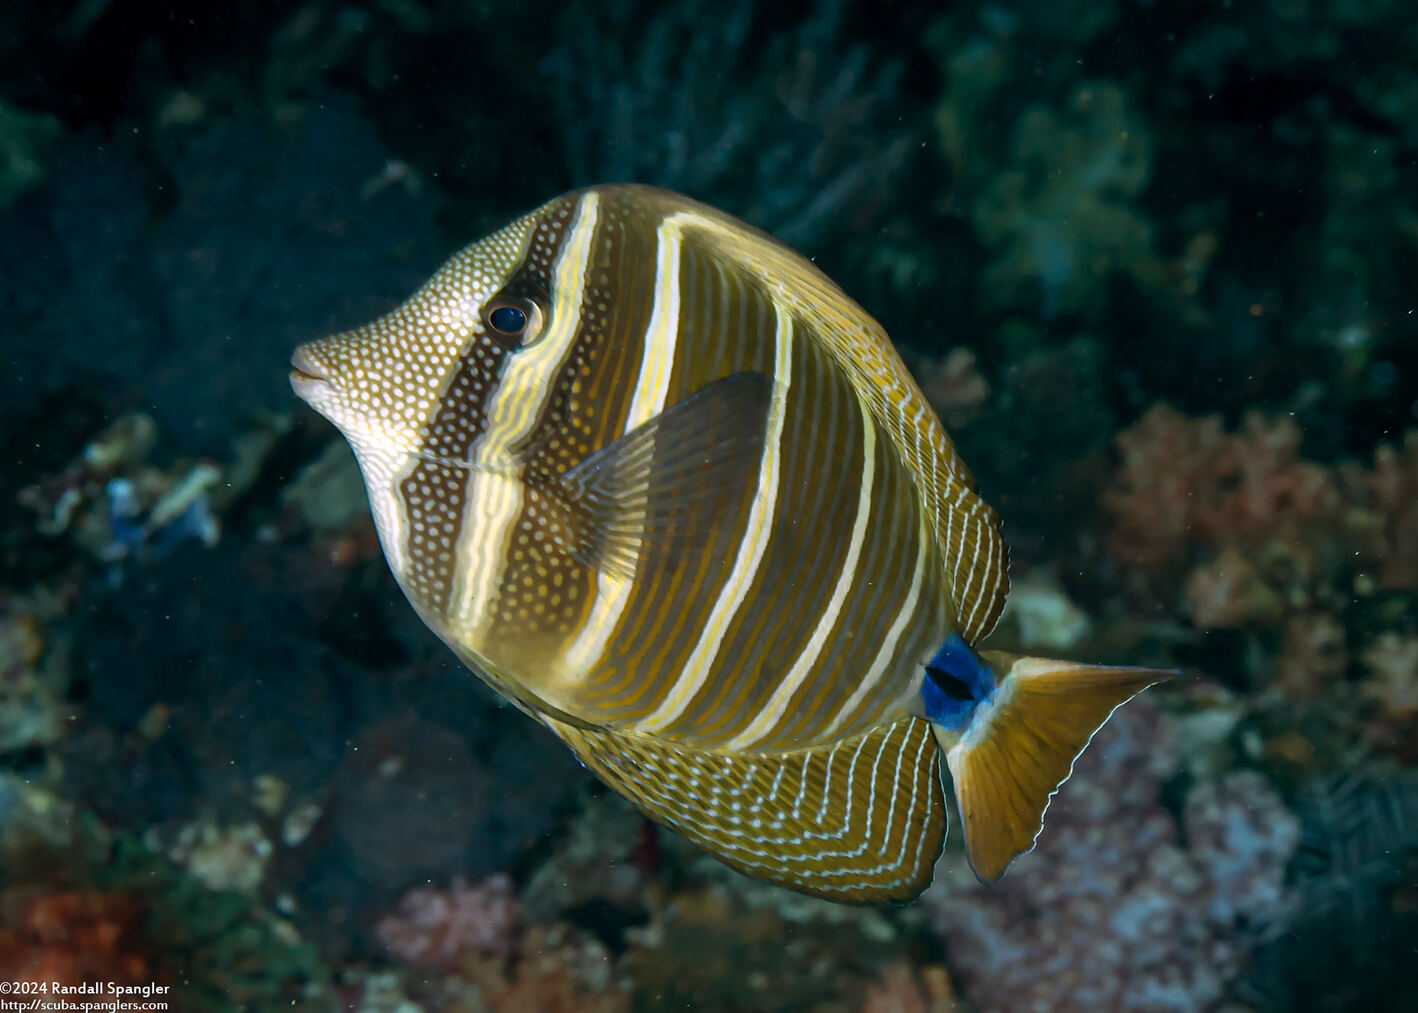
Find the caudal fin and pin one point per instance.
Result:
(1021, 745)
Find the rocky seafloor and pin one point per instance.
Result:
(1153, 263)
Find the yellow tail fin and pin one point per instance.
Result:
(1021, 744)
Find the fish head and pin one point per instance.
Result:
(382, 384)
(438, 397)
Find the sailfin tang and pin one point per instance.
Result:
(1021, 746)
(861, 821)
(652, 489)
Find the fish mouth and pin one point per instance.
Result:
(305, 371)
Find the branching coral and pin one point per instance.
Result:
(1061, 218)
(1258, 539)
(1341, 939)
(952, 384)
(900, 989)
(1247, 505)
(438, 928)
(1186, 490)
(558, 970)
(1388, 523)
(799, 136)
(491, 960)
(1392, 663)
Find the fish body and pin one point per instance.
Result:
(665, 486)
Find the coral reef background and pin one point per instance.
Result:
(1154, 263)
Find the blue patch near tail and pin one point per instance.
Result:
(957, 682)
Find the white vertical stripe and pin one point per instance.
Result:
(957, 591)
(489, 518)
(751, 550)
(383, 469)
(981, 534)
(921, 775)
(529, 377)
(652, 386)
(895, 788)
(887, 651)
(494, 495)
(777, 705)
(469, 284)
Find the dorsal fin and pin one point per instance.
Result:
(860, 821)
(975, 558)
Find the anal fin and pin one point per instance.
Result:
(1021, 746)
(861, 820)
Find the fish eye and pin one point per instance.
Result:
(507, 320)
(512, 321)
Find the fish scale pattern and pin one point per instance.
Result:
(862, 820)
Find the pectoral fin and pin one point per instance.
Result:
(656, 488)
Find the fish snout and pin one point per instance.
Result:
(307, 372)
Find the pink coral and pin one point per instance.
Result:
(438, 928)
(1392, 663)
(1186, 484)
(1313, 654)
(900, 989)
(557, 970)
(1251, 531)
(1237, 531)
(547, 968)
(1124, 906)
(952, 384)
(1228, 592)
(1389, 533)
